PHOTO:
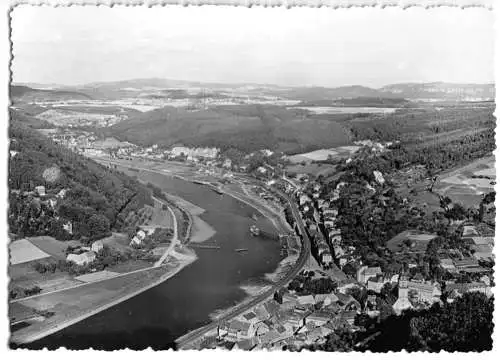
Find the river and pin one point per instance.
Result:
(160, 315)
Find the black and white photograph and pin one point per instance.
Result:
(250, 178)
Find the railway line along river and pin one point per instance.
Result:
(185, 302)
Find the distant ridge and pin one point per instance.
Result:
(431, 91)
(26, 93)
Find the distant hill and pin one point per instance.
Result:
(360, 102)
(98, 199)
(441, 91)
(322, 93)
(437, 91)
(247, 127)
(20, 93)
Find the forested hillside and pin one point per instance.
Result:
(96, 199)
(464, 325)
(28, 94)
(246, 127)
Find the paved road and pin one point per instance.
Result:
(184, 341)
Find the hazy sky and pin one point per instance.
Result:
(300, 46)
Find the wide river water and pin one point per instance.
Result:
(184, 302)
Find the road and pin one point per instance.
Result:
(305, 252)
(175, 237)
(185, 340)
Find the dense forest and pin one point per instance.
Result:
(244, 127)
(422, 124)
(464, 325)
(96, 199)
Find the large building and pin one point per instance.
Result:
(364, 273)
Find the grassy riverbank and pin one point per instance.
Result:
(73, 305)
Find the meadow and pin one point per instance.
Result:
(467, 184)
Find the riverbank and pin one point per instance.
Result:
(201, 231)
(86, 301)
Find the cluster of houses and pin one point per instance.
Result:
(193, 154)
(295, 321)
(414, 292)
(141, 234)
(85, 255)
(76, 140)
(320, 216)
(41, 198)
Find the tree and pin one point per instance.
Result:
(341, 340)
(98, 225)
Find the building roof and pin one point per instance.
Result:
(349, 315)
(228, 345)
(272, 307)
(372, 271)
(262, 312)
(250, 315)
(418, 277)
(306, 299)
(447, 262)
(344, 299)
(247, 344)
(421, 287)
(469, 230)
(466, 262)
(270, 336)
(483, 240)
(319, 315)
(464, 287)
(239, 325)
(486, 248)
(289, 297)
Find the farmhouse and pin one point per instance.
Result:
(138, 238)
(97, 246)
(40, 190)
(83, 258)
(318, 318)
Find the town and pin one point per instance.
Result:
(342, 287)
(227, 178)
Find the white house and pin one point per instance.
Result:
(83, 258)
(138, 238)
(97, 246)
(40, 190)
(68, 227)
(61, 194)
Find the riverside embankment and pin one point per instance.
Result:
(183, 303)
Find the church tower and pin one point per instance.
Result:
(403, 287)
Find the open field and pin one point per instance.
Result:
(73, 305)
(96, 276)
(346, 110)
(63, 117)
(311, 169)
(318, 155)
(53, 247)
(161, 218)
(462, 185)
(25, 276)
(419, 240)
(129, 266)
(22, 251)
